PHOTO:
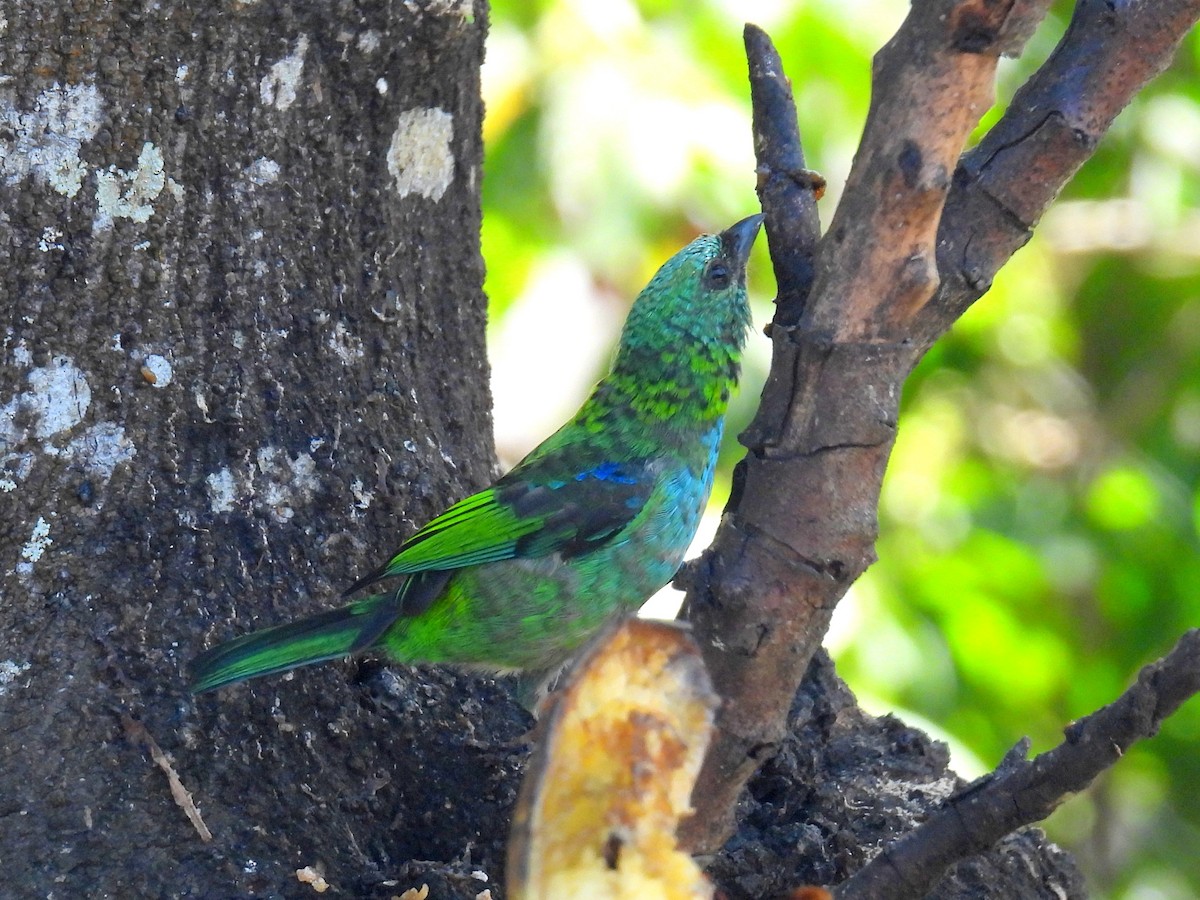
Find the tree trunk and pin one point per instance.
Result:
(243, 355)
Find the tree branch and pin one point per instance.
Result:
(801, 524)
(1109, 52)
(1021, 791)
(930, 85)
(788, 192)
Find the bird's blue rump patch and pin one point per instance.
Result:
(606, 471)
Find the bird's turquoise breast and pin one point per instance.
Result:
(535, 613)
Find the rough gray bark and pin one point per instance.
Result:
(242, 354)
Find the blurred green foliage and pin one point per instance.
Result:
(1038, 525)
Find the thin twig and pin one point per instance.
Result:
(789, 192)
(1022, 791)
(137, 732)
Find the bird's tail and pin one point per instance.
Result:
(324, 636)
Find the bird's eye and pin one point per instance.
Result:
(718, 275)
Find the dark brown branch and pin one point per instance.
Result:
(788, 192)
(1053, 125)
(1021, 791)
(801, 525)
(930, 85)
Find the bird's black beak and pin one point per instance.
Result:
(737, 239)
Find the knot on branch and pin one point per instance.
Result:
(808, 180)
(984, 26)
(974, 27)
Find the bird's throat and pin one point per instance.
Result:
(665, 387)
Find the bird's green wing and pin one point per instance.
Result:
(529, 513)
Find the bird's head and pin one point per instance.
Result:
(699, 294)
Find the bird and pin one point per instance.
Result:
(581, 532)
